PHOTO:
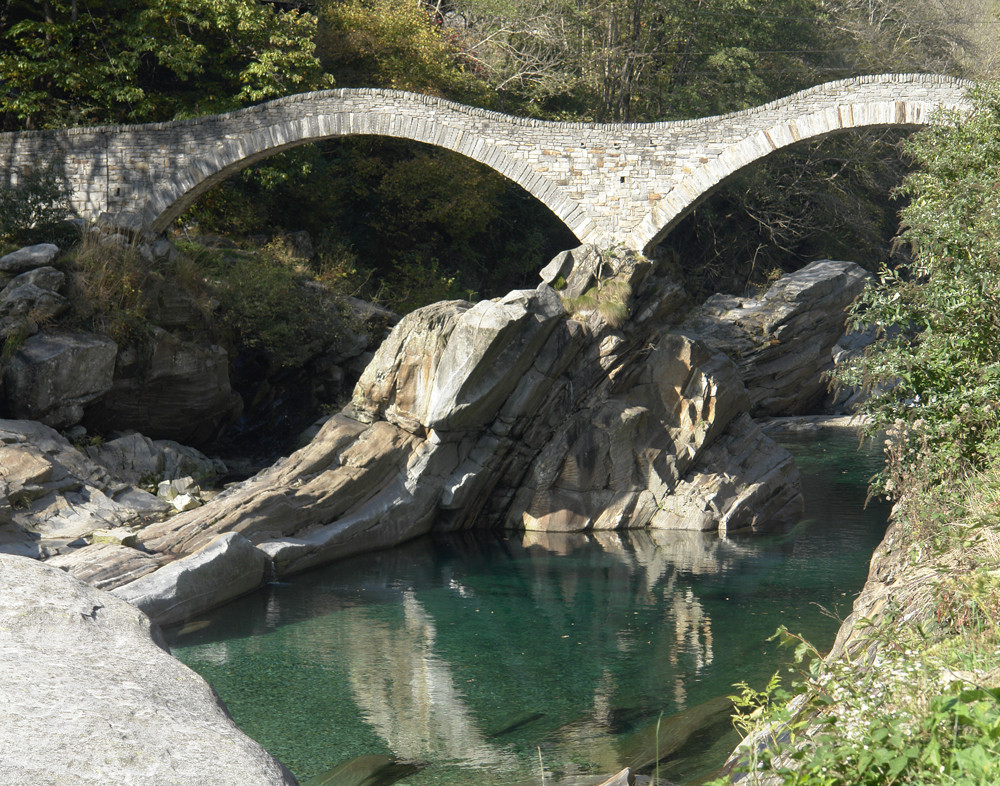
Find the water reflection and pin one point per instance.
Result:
(471, 651)
(408, 693)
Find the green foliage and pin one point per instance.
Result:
(31, 210)
(65, 63)
(900, 722)
(265, 303)
(14, 341)
(640, 60)
(417, 222)
(383, 43)
(794, 207)
(936, 381)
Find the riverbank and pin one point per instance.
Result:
(911, 692)
(912, 682)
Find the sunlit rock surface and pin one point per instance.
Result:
(91, 696)
(514, 413)
(784, 341)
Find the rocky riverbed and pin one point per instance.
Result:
(506, 413)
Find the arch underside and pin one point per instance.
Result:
(181, 193)
(699, 185)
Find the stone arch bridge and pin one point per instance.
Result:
(609, 183)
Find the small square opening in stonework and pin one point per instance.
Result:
(623, 178)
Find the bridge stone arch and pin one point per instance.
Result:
(609, 183)
(254, 134)
(891, 100)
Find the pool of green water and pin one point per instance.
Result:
(490, 657)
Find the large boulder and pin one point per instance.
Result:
(53, 376)
(744, 480)
(28, 258)
(30, 299)
(92, 695)
(514, 413)
(139, 460)
(171, 389)
(614, 463)
(783, 342)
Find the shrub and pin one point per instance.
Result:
(936, 384)
(108, 290)
(32, 209)
(266, 301)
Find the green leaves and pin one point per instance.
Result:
(110, 61)
(31, 210)
(936, 381)
(887, 723)
(382, 43)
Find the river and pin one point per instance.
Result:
(489, 657)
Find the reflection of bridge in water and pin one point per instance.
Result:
(426, 707)
(609, 183)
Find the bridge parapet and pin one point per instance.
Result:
(609, 183)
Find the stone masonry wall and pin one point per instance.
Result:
(609, 183)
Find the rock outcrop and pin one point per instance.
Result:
(510, 413)
(171, 388)
(783, 342)
(169, 376)
(52, 376)
(54, 497)
(92, 695)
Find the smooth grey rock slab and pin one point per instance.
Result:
(492, 345)
(142, 502)
(28, 258)
(42, 277)
(136, 458)
(225, 569)
(91, 697)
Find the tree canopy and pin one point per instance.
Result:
(83, 62)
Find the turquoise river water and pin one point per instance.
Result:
(489, 657)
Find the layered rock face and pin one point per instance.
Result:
(92, 696)
(784, 342)
(512, 413)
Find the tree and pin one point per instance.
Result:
(935, 381)
(63, 62)
(640, 60)
(827, 198)
(946, 37)
(383, 43)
